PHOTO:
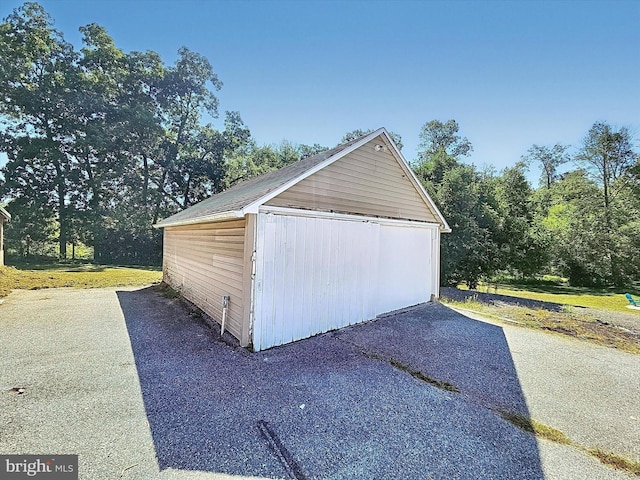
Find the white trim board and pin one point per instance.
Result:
(344, 216)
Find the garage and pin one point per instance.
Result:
(332, 240)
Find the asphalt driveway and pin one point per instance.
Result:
(139, 388)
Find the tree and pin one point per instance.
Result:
(250, 160)
(574, 224)
(352, 135)
(550, 159)
(523, 247)
(607, 155)
(32, 226)
(184, 96)
(469, 252)
(436, 136)
(608, 158)
(467, 201)
(87, 129)
(39, 83)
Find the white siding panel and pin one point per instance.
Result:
(206, 262)
(313, 275)
(405, 275)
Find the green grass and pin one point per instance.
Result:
(576, 296)
(568, 322)
(537, 428)
(74, 275)
(616, 461)
(553, 434)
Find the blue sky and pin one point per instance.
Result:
(512, 73)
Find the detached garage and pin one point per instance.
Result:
(332, 240)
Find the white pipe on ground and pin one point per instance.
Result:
(225, 305)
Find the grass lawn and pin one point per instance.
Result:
(601, 326)
(36, 276)
(579, 297)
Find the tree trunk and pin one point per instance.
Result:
(62, 220)
(61, 191)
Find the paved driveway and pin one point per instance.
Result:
(140, 389)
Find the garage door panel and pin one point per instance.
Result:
(318, 274)
(312, 277)
(405, 267)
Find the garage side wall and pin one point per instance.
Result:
(1, 241)
(205, 262)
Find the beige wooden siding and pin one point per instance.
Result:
(365, 182)
(205, 262)
(1, 241)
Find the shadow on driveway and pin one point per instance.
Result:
(334, 405)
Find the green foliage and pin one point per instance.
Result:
(550, 159)
(32, 228)
(436, 136)
(250, 160)
(467, 201)
(86, 129)
(352, 135)
(523, 246)
(582, 225)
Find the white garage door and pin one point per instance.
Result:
(318, 274)
(405, 269)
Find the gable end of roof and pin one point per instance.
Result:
(248, 196)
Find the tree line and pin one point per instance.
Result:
(101, 144)
(582, 223)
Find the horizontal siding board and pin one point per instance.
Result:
(199, 247)
(205, 262)
(204, 280)
(363, 182)
(353, 206)
(371, 193)
(210, 226)
(226, 277)
(212, 261)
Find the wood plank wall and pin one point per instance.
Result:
(365, 182)
(205, 262)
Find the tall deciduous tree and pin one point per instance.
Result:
(523, 248)
(39, 79)
(465, 198)
(550, 160)
(607, 155)
(436, 136)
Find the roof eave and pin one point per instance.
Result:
(218, 217)
(444, 227)
(5, 214)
